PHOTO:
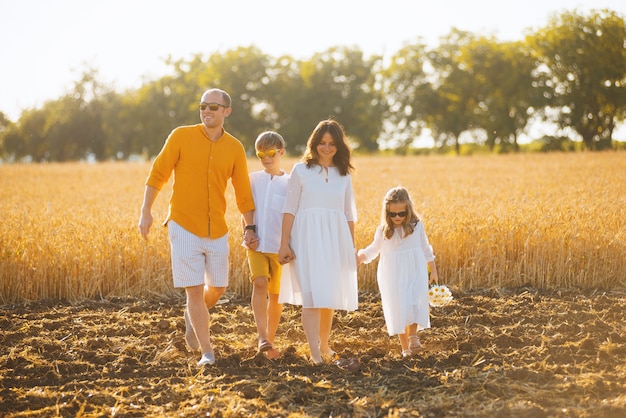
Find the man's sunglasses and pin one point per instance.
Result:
(395, 214)
(211, 106)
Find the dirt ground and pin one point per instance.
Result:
(491, 353)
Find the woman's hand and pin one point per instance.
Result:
(286, 254)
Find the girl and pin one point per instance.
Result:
(402, 275)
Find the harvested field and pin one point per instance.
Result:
(491, 353)
(532, 247)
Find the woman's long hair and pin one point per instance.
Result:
(341, 159)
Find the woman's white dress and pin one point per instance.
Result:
(323, 274)
(402, 277)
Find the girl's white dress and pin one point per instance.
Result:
(402, 277)
(323, 274)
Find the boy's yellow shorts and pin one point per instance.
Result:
(265, 265)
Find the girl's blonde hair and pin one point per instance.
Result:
(398, 195)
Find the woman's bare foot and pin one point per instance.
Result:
(316, 362)
(414, 343)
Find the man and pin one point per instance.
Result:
(202, 157)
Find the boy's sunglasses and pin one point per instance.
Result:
(211, 106)
(395, 214)
(271, 153)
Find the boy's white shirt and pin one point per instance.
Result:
(269, 194)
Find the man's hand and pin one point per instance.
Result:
(145, 223)
(250, 239)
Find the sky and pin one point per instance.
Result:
(47, 44)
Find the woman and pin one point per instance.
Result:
(318, 236)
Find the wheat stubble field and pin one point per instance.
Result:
(532, 247)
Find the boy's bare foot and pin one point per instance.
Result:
(348, 363)
(264, 345)
(272, 353)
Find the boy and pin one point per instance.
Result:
(269, 188)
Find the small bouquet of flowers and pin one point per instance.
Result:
(439, 295)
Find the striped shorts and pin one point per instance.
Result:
(196, 260)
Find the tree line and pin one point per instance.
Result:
(571, 72)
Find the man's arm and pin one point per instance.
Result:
(146, 220)
(249, 235)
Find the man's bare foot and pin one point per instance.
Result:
(190, 334)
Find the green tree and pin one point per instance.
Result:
(69, 128)
(119, 145)
(409, 92)
(5, 125)
(286, 99)
(337, 83)
(242, 72)
(83, 121)
(507, 89)
(147, 116)
(26, 139)
(452, 108)
(585, 58)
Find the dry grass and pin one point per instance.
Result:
(522, 354)
(68, 231)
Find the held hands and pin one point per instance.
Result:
(286, 255)
(250, 240)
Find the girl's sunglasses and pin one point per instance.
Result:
(395, 214)
(271, 153)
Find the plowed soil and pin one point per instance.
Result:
(490, 353)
